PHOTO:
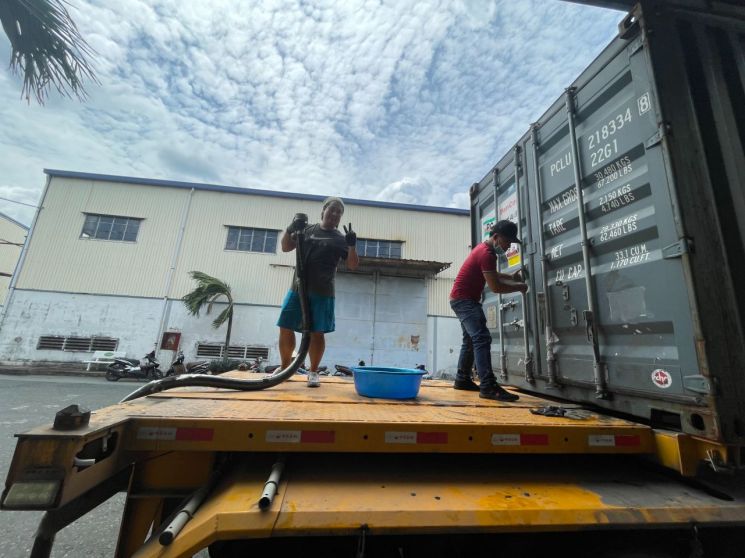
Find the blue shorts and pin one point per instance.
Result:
(321, 311)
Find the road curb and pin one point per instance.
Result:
(49, 371)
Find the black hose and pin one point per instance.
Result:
(266, 382)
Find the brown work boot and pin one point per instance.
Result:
(498, 393)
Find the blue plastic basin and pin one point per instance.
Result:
(388, 383)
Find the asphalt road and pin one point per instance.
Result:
(30, 401)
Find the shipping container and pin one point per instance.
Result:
(634, 300)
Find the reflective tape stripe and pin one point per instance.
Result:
(195, 434)
(301, 436)
(605, 440)
(533, 439)
(431, 437)
(505, 439)
(519, 439)
(171, 434)
(416, 437)
(317, 437)
(628, 440)
(610, 440)
(156, 433)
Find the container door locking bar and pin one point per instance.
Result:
(598, 366)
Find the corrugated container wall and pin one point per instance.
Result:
(59, 259)
(635, 302)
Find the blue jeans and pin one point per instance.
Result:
(476, 342)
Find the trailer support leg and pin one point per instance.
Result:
(54, 521)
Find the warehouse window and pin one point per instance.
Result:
(379, 248)
(109, 227)
(76, 344)
(247, 239)
(217, 350)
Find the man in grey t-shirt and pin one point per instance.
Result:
(324, 247)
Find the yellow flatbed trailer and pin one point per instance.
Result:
(431, 470)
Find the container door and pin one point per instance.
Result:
(628, 329)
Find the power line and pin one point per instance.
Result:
(16, 201)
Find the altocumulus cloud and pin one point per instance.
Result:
(395, 100)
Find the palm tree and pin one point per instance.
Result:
(46, 47)
(208, 290)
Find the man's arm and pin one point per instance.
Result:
(503, 283)
(288, 242)
(350, 237)
(353, 259)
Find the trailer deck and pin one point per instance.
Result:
(445, 462)
(334, 418)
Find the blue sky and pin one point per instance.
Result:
(385, 100)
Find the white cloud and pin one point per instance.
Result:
(414, 101)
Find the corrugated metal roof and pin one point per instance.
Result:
(249, 191)
(399, 267)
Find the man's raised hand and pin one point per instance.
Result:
(349, 235)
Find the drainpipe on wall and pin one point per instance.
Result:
(165, 313)
(22, 257)
(374, 317)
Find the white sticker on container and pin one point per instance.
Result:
(505, 439)
(604, 440)
(283, 436)
(400, 437)
(156, 433)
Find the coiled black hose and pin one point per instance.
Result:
(265, 382)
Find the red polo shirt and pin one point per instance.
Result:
(470, 280)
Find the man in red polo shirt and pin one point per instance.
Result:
(479, 269)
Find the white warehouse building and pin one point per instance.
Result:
(12, 237)
(108, 258)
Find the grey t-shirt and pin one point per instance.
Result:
(323, 250)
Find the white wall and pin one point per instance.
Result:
(444, 348)
(252, 325)
(135, 322)
(34, 313)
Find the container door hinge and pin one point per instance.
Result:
(657, 137)
(697, 384)
(628, 27)
(636, 46)
(677, 249)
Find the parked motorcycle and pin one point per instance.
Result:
(147, 368)
(178, 367)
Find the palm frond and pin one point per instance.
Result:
(223, 316)
(208, 289)
(46, 47)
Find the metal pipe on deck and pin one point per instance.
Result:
(270, 488)
(184, 515)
